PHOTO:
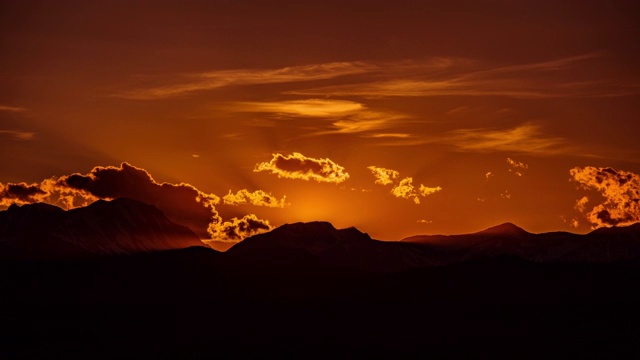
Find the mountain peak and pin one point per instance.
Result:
(506, 229)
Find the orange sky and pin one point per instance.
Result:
(412, 117)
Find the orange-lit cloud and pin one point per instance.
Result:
(516, 167)
(472, 78)
(346, 117)
(581, 204)
(20, 135)
(403, 188)
(238, 229)
(526, 138)
(257, 198)
(12, 108)
(383, 176)
(184, 84)
(309, 107)
(298, 166)
(426, 191)
(621, 190)
(488, 175)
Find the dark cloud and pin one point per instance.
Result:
(20, 193)
(181, 203)
(620, 189)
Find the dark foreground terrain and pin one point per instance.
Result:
(118, 279)
(200, 303)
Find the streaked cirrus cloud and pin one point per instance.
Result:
(18, 134)
(298, 166)
(14, 109)
(344, 116)
(257, 198)
(621, 192)
(472, 78)
(181, 84)
(525, 138)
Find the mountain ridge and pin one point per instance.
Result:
(119, 226)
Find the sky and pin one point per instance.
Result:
(398, 118)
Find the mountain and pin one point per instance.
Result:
(120, 226)
(601, 245)
(321, 244)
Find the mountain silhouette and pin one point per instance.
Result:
(307, 288)
(320, 243)
(120, 226)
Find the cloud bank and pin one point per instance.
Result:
(621, 192)
(181, 203)
(298, 166)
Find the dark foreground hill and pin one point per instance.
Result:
(188, 304)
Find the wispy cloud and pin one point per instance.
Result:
(526, 138)
(182, 84)
(20, 135)
(298, 166)
(12, 108)
(469, 78)
(346, 117)
(308, 107)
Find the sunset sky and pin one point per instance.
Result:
(399, 118)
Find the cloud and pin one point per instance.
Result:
(181, 203)
(257, 198)
(526, 138)
(426, 191)
(581, 204)
(309, 107)
(12, 108)
(20, 135)
(238, 229)
(460, 77)
(620, 189)
(347, 117)
(403, 188)
(20, 194)
(298, 166)
(488, 175)
(184, 84)
(383, 176)
(516, 167)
